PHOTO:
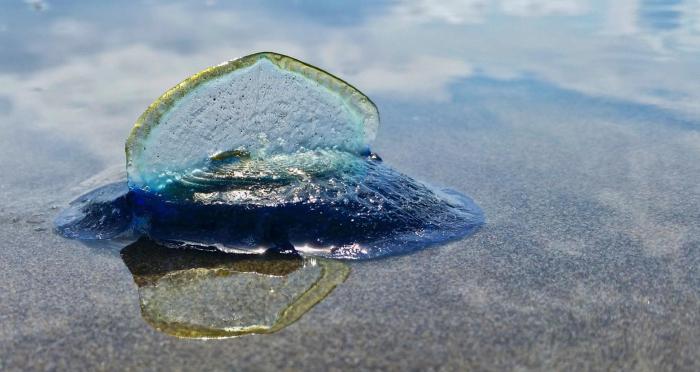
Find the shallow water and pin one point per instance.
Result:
(574, 126)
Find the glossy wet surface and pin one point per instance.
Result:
(574, 126)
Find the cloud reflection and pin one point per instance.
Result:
(477, 11)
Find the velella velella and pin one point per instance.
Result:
(267, 153)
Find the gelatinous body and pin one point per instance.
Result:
(266, 152)
(103, 213)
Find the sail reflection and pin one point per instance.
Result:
(201, 294)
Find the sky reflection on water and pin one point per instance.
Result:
(113, 58)
(84, 70)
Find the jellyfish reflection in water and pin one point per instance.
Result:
(267, 153)
(210, 294)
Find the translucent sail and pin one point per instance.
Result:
(262, 105)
